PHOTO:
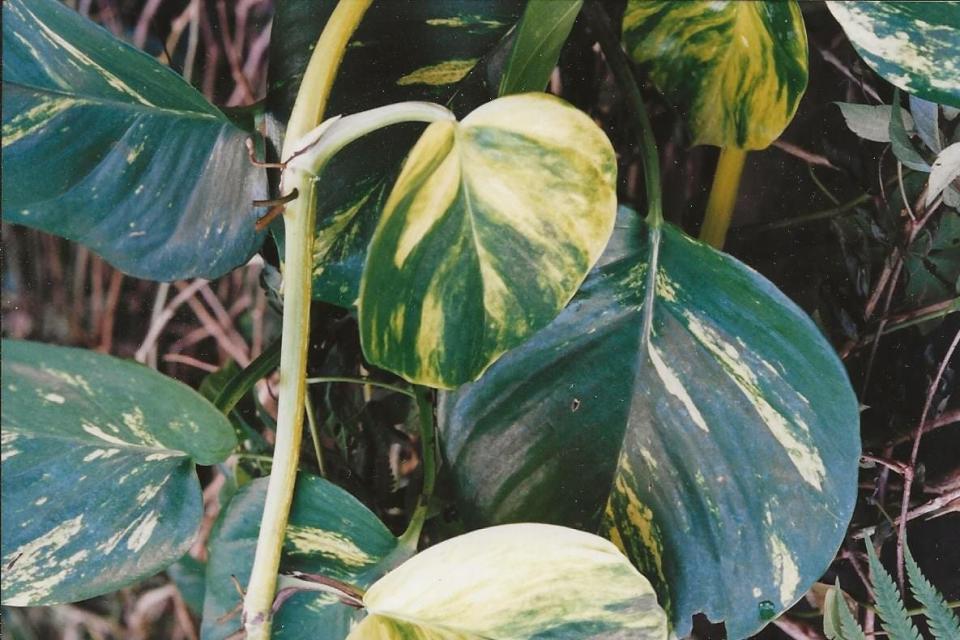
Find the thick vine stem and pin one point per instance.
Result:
(723, 196)
(299, 224)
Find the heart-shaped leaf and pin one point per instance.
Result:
(330, 533)
(912, 45)
(514, 581)
(490, 228)
(401, 51)
(686, 409)
(99, 487)
(105, 146)
(736, 70)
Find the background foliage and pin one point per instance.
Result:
(817, 215)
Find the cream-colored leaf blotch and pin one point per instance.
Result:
(513, 582)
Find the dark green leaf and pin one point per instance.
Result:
(912, 45)
(105, 146)
(402, 51)
(99, 487)
(188, 574)
(720, 453)
(900, 142)
(536, 48)
(330, 533)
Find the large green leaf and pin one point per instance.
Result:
(736, 70)
(510, 582)
(99, 487)
(105, 146)
(541, 34)
(912, 45)
(682, 406)
(401, 51)
(490, 228)
(330, 533)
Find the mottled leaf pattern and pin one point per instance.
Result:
(330, 533)
(511, 582)
(105, 146)
(401, 51)
(683, 407)
(912, 45)
(736, 70)
(99, 487)
(489, 230)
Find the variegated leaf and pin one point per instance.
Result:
(510, 582)
(431, 51)
(490, 228)
(105, 146)
(736, 70)
(912, 45)
(99, 487)
(330, 533)
(683, 407)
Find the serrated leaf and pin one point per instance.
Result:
(889, 606)
(99, 487)
(927, 116)
(490, 228)
(912, 45)
(330, 533)
(945, 169)
(721, 452)
(871, 122)
(105, 146)
(736, 70)
(430, 51)
(514, 581)
(838, 621)
(900, 142)
(542, 31)
(940, 618)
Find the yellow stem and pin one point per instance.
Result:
(723, 196)
(299, 220)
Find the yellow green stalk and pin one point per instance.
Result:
(723, 196)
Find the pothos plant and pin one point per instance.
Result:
(639, 427)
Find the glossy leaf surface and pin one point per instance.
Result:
(912, 45)
(105, 146)
(514, 581)
(542, 31)
(736, 70)
(490, 228)
(402, 51)
(99, 486)
(691, 413)
(330, 533)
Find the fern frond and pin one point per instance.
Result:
(893, 615)
(941, 620)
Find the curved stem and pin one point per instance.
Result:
(723, 196)
(373, 383)
(299, 227)
(620, 67)
(428, 443)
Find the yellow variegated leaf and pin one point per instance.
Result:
(736, 69)
(514, 582)
(490, 228)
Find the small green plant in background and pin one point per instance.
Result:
(684, 428)
(840, 624)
